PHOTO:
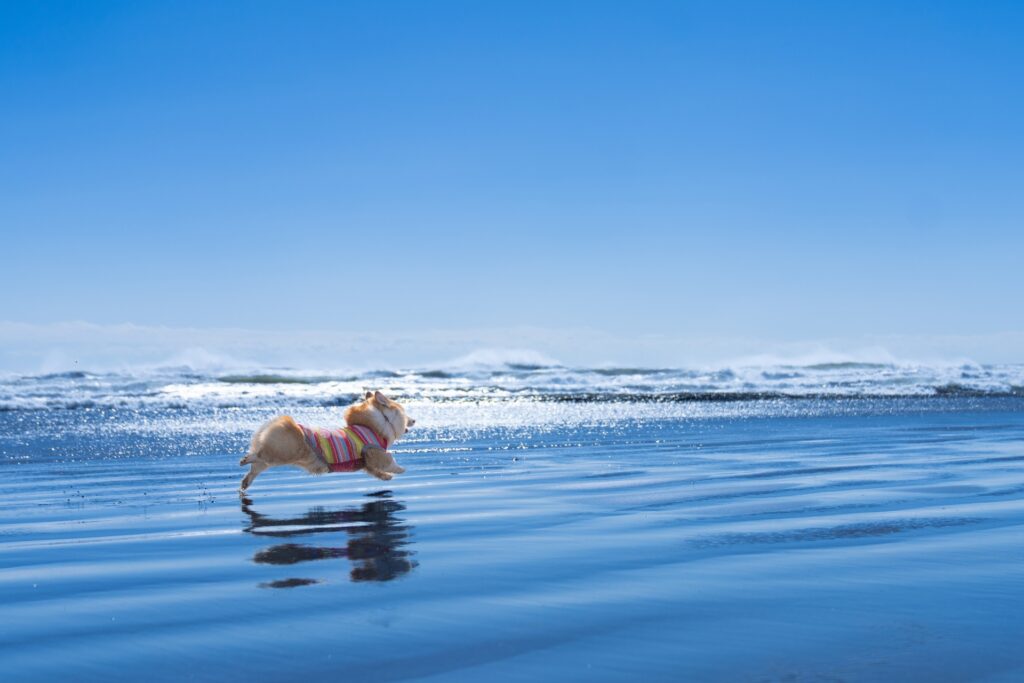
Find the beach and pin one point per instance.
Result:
(818, 524)
(702, 316)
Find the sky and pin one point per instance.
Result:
(620, 182)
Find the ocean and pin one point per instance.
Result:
(826, 522)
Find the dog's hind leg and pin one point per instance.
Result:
(254, 471)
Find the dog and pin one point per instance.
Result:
(373, 424)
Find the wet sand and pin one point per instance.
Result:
(883, 545)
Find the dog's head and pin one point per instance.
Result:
(380, 413)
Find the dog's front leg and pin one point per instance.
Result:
(379, 463)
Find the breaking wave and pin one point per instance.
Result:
(495, 376)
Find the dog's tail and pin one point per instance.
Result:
(275, 436)
(255, 446)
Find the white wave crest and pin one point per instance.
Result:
(484, 359)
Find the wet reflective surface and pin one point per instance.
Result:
(865, 541)
(372, 538)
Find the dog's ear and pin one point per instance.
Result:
(369, 395)
(381, 398)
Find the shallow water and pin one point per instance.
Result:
(785, 540)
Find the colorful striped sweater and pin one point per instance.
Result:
(342, 448)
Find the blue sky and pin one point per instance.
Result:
(768, 172)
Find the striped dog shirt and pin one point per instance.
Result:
(341, 449)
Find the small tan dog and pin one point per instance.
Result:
(373, 425)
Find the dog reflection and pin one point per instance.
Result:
(376, 539)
